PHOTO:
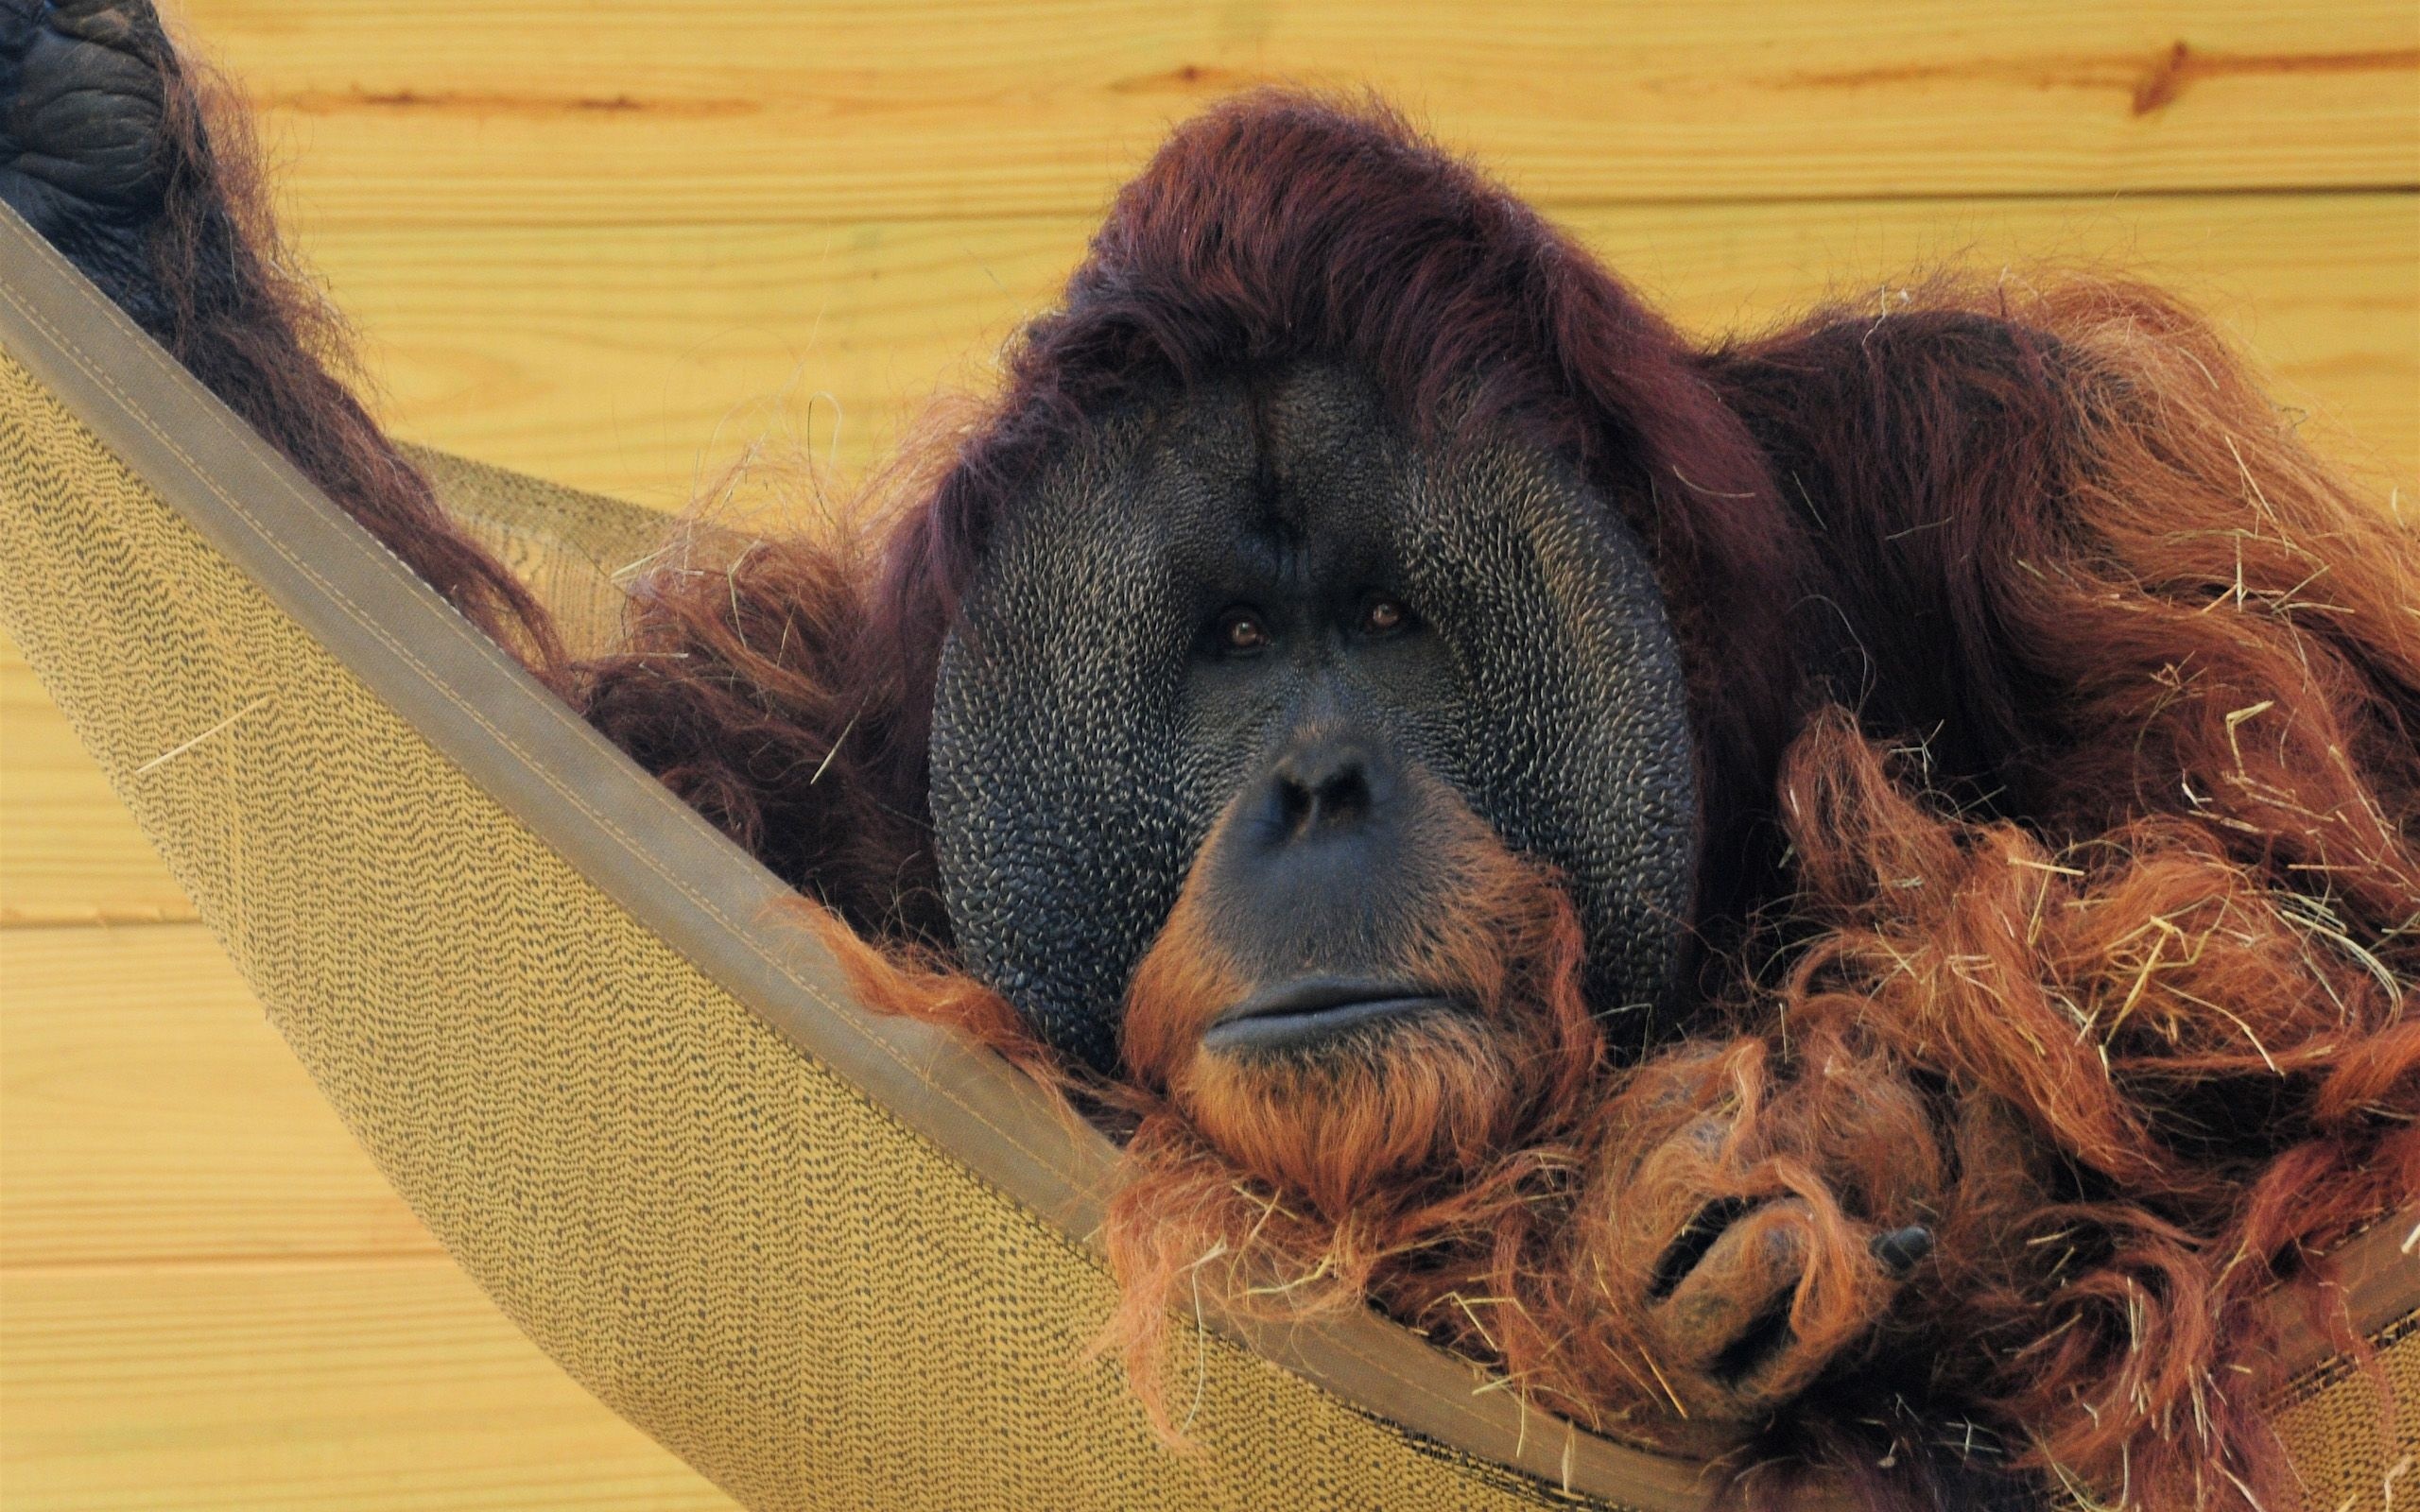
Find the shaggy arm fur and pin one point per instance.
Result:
(105, 149)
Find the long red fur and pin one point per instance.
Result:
(2105, 833)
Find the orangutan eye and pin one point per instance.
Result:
(1385, 616)
(1241, 632)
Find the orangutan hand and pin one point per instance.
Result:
(87, 149)
(1740, 1250)
(83, 87)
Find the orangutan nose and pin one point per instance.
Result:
(1325, 784)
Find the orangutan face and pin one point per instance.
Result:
(1276, 752)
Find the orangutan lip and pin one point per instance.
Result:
(1304, 1011)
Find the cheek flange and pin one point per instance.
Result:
(1579, 748)
(1059, 834)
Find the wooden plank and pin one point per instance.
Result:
(151, 1115)
(606, 112)
(638, 362)
(359, 1385)
(69, 850)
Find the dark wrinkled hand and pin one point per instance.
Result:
(84, 91)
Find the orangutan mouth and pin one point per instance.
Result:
(1307, 1010)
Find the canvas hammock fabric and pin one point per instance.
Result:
(830, 1259)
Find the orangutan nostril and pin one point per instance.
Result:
(1324, 789)
(1344, 795)
(1294, 804)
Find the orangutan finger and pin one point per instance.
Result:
(1726, 1321)
(1673, 1205)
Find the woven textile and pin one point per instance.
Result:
(2350, 1460)
(796, 1293)
(575, 550)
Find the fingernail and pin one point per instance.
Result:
(1901, 1249)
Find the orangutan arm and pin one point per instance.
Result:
(744, 679)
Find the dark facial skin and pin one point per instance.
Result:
(1263, 595)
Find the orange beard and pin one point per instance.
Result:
(1287, 1186)
(1400, 1104)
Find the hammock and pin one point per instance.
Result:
(830, 1259)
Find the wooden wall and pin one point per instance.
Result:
(615, 242)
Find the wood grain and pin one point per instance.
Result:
(639, 361)
(212, 1299)
(359, 1385)
(152, 1116)
(611, 112)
